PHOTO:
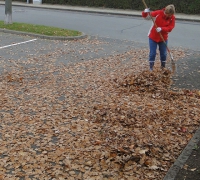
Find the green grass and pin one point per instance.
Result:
(39, 29)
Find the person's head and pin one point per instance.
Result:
(169, 10)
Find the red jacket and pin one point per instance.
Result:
(161, 20)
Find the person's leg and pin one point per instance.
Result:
(163, 53)
(152, 53)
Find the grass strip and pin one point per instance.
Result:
(39, 29)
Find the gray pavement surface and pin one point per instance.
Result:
(100, 10)
(123, 27)
(187, 166)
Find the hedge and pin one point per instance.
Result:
(182, 6)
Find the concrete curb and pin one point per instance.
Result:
(181, 160)
(62, 38)
(86, 9)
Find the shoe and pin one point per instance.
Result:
(151, 64)
(162, 64)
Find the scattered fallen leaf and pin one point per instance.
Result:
(91, 118)
(194, 169)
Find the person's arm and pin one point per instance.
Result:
(170, 26)
(155, 13)
(145, 13)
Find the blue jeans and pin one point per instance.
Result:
(152, 54)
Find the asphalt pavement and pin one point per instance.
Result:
(187, 165)
(99, 10)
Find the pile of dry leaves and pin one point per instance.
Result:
(107, 118)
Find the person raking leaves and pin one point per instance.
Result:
(164, 22)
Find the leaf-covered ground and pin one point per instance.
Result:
(101, 119)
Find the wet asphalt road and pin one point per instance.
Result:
(118, 27)
(187, 75)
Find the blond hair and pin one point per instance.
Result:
(170, 9)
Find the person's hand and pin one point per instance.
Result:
(158, 29)
(147, 10)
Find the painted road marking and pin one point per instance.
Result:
(17, 43)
